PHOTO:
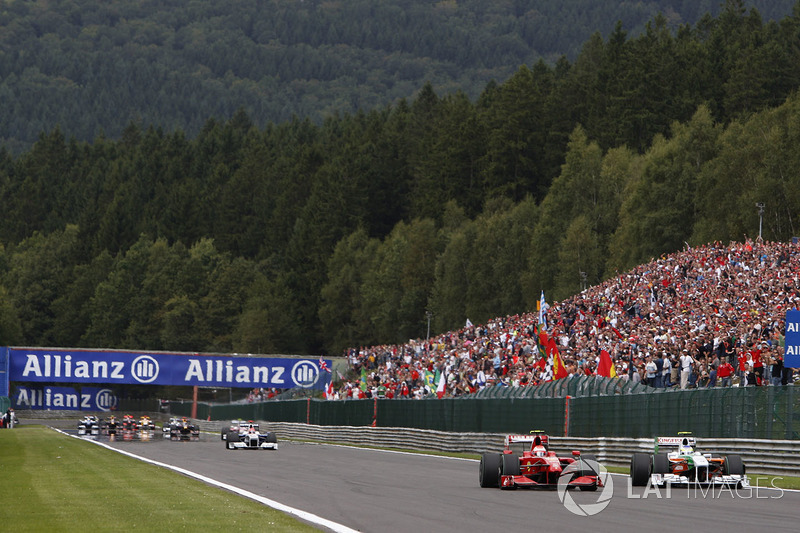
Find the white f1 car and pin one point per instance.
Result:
(686, 466)
(89, 425)
(247, 435)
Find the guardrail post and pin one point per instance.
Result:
(308, 410)
(566, 415)
(194, 402)
(374, 412)
(789, 417)
(770, 410)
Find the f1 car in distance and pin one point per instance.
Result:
(246, 435)
(9, 419)
(110, 425)
(537, 467)
(181, 429)
(683, 465)
(234, 427)
(89, 425)
(128, 423)
(173, 421)
(146, 424)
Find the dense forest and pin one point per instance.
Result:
(301, 237)
(93, 67)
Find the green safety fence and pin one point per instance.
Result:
(561, 388)
(749, 412)
(137, 405)
(488, 416)
(5, 403)
(492, 415)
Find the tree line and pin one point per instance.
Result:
(303, 238)
(95, 66)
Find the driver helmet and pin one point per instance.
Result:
(686, 447)
(539, 451)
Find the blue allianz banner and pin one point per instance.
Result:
(3, 371)
(791, 352)
(157, 368)
(64, 398)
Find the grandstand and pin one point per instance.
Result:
(711, 302)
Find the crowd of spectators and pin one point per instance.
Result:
(708, 316)
(261, 394)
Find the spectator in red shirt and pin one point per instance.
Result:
(758, 364)
(725, 373)
(742, 367)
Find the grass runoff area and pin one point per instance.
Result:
(52, 482)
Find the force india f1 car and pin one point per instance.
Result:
(247, 435)
(538, 467)
(685, 466)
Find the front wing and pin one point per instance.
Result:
(524, 482)
(247, 445)
(661, 480)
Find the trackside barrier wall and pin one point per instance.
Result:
(762, 457)
(749, 412)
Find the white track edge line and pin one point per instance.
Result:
(309, 517)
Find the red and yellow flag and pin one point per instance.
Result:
(606, 367)
(559, 370)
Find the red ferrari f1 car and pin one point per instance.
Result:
(537, 467)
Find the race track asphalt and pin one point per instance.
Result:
(380, 491)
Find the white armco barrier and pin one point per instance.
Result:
(761, 456)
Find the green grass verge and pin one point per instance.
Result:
(51, 482)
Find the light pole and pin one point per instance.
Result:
(583, 280)
(429, 315)
(760, 206)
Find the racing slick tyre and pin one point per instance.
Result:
(640, 469)
(224, 434)
(510, 465)
(229, 444)
(490, 470)
(733, 465)
(660, 464)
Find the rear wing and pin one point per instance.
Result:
(674, 441)
(535, 438)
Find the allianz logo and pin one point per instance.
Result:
(144, 368)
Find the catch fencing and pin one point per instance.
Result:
(734, 412)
